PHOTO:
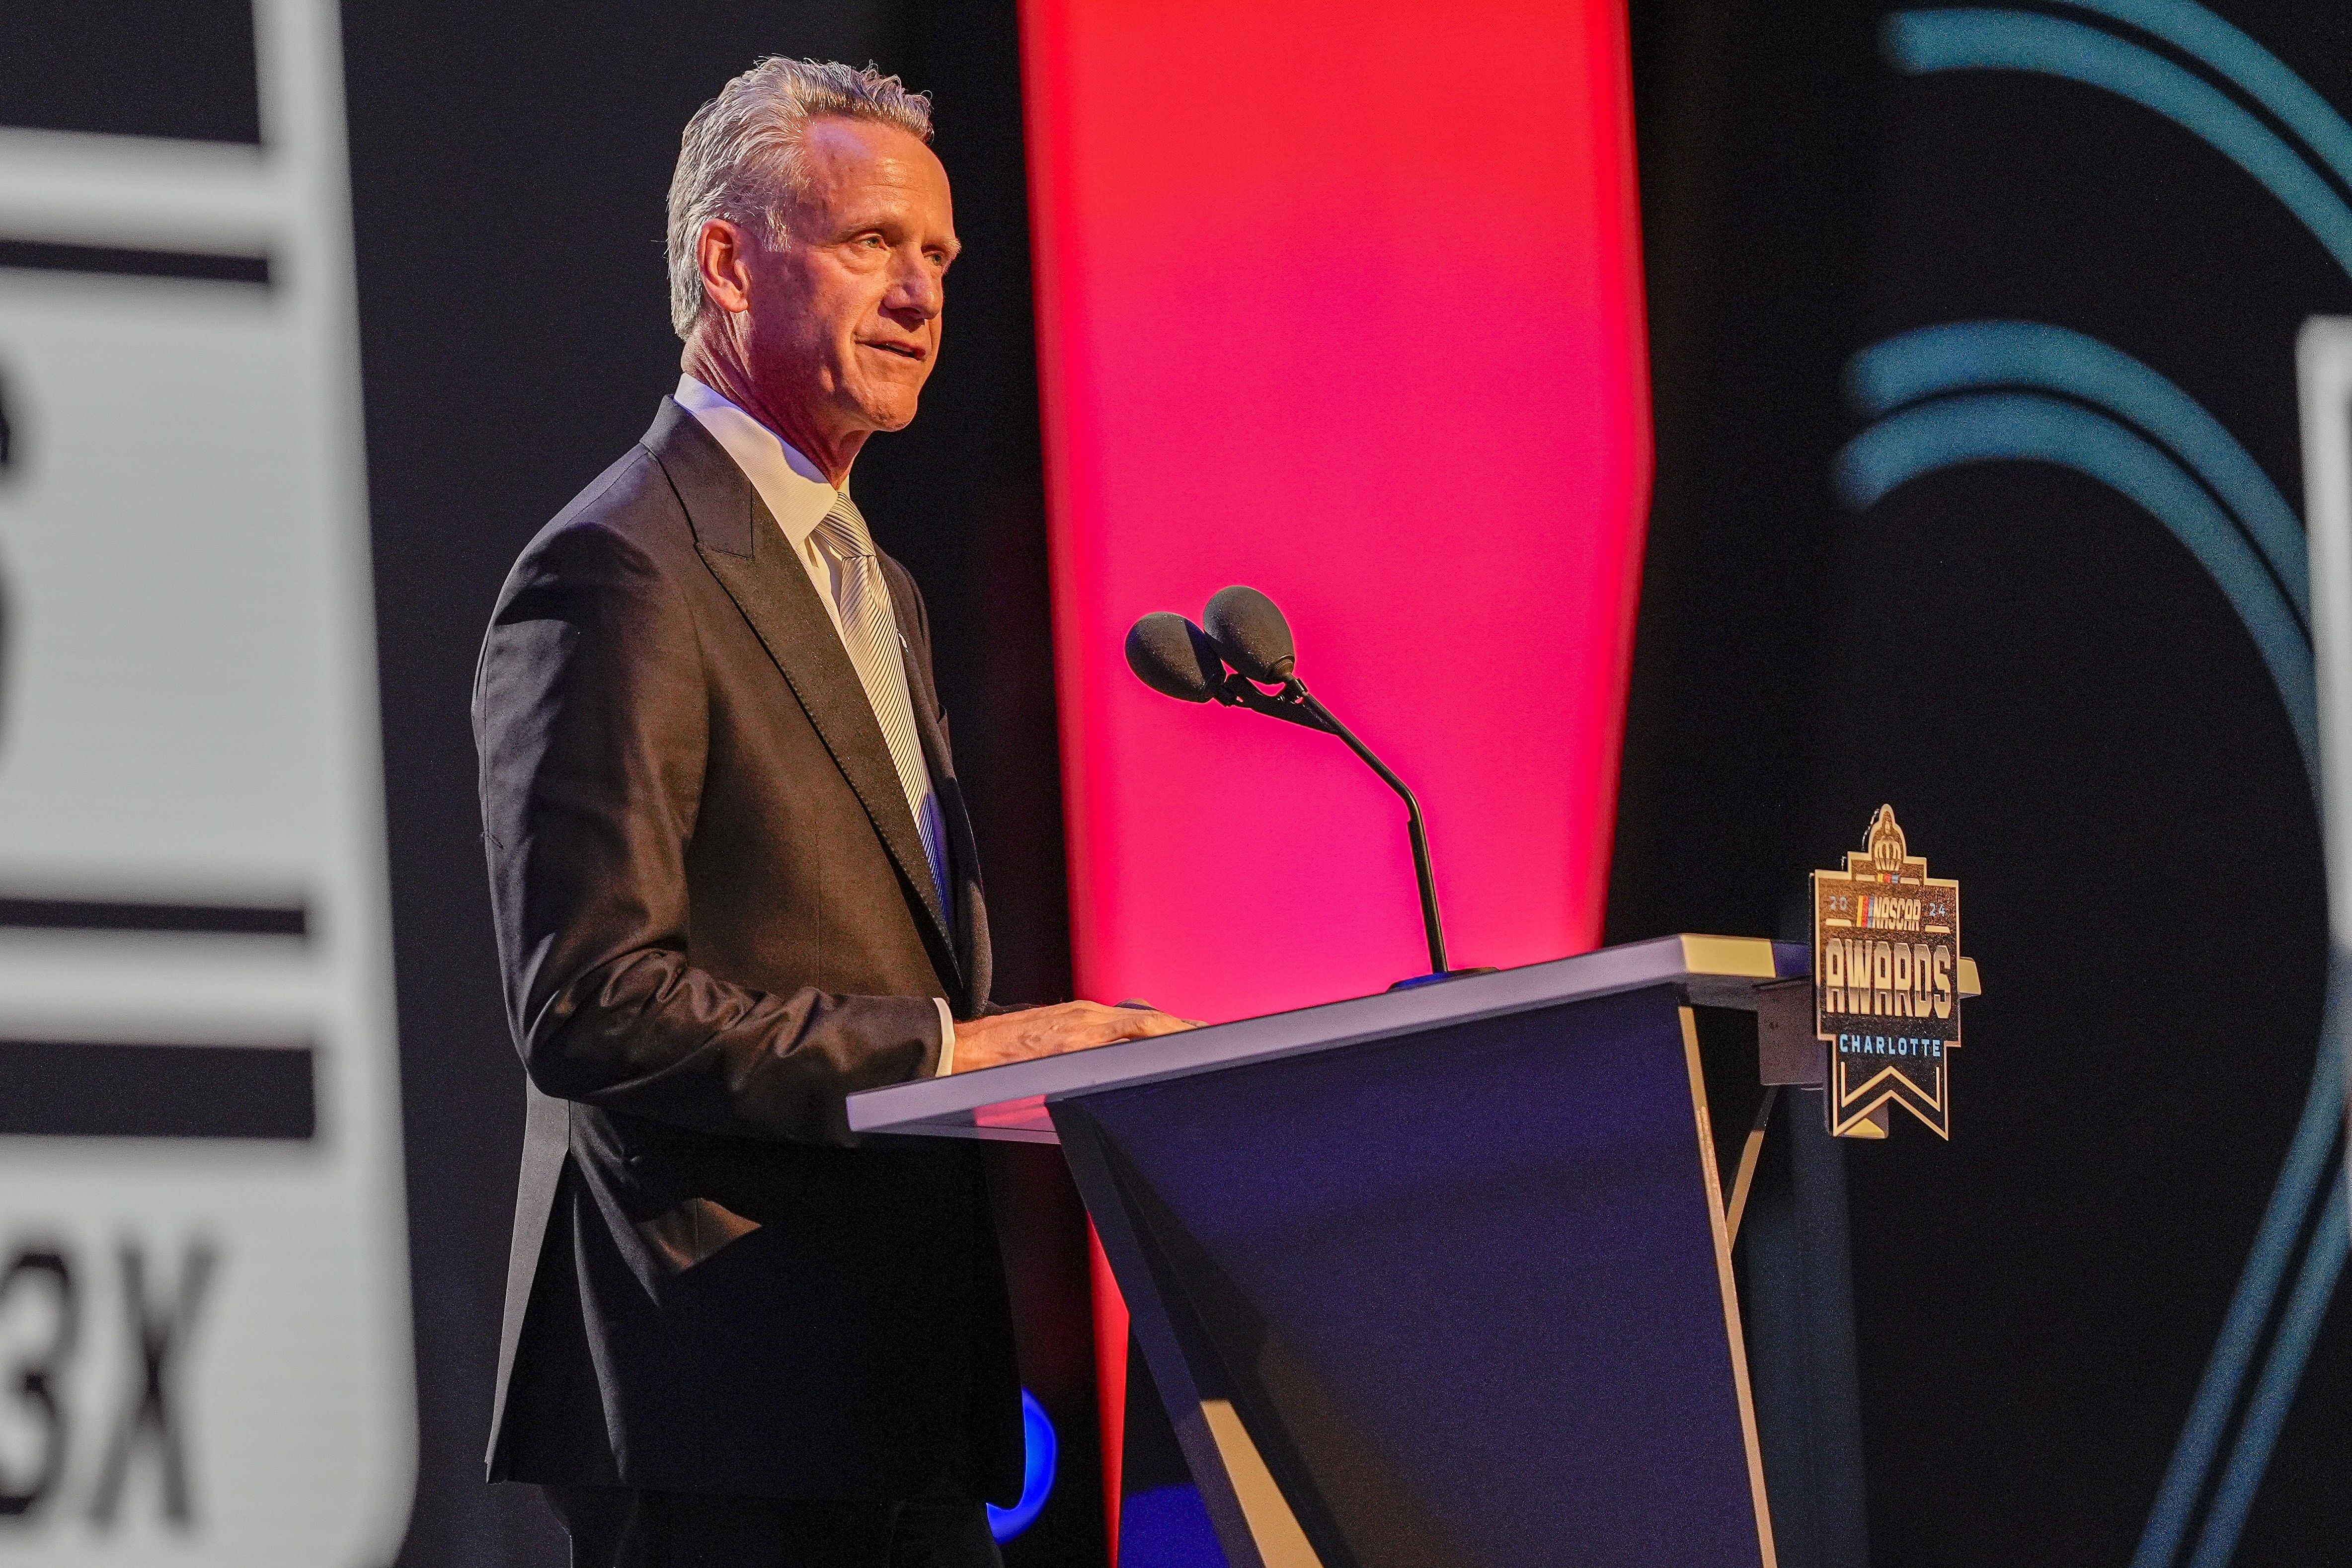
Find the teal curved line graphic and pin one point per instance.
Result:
(1968, 355)
(2241, 1327)
(1921, 41)
(2259, 74)
(2274, 1392)
(1986, 427)
(1950, 40)
(2011, 427)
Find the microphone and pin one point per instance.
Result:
(1251, 633)
(1246, 629)
(1174, 658)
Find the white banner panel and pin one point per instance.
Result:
(204, 1354)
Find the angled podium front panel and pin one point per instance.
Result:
(1465, 1290)
(1437, 1277)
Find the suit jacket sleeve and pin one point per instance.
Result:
(590, 714)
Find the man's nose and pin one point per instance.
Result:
(916, 290)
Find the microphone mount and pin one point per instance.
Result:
(1294, 703)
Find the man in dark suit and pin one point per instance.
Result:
(733, 883)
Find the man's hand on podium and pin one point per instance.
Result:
(1050, 1031)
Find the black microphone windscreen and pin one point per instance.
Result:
(1251, 633)
(1173, 657)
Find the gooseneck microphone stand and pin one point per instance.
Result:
(1295, 703)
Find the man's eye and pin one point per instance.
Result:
(873, 242)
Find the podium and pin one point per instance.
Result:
(1442, 1277)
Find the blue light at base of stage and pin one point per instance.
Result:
(1037, 1444)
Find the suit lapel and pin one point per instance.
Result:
(745, 549)
(973, 954)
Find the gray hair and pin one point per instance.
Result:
(739, 157)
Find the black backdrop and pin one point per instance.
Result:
(2092, 746)
(2097, 739)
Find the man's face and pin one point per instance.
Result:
(844, 317)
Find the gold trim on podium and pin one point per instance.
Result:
(1281, 1543)
(1724, 1276)
(1738, 958)
(1751, 1153)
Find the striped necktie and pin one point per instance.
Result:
(871, 637)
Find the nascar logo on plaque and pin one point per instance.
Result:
(1886, 985)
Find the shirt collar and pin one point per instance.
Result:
(794, 489)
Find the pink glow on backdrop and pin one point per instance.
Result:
(1342, 301)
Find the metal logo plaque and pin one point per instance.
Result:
(1886, 985)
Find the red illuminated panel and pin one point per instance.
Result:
(1343, 301)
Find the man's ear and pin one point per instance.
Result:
(721, 255)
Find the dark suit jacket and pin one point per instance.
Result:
(716, 921)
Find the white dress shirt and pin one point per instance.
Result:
(798, 496)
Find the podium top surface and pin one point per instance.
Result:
(1008, 1102)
